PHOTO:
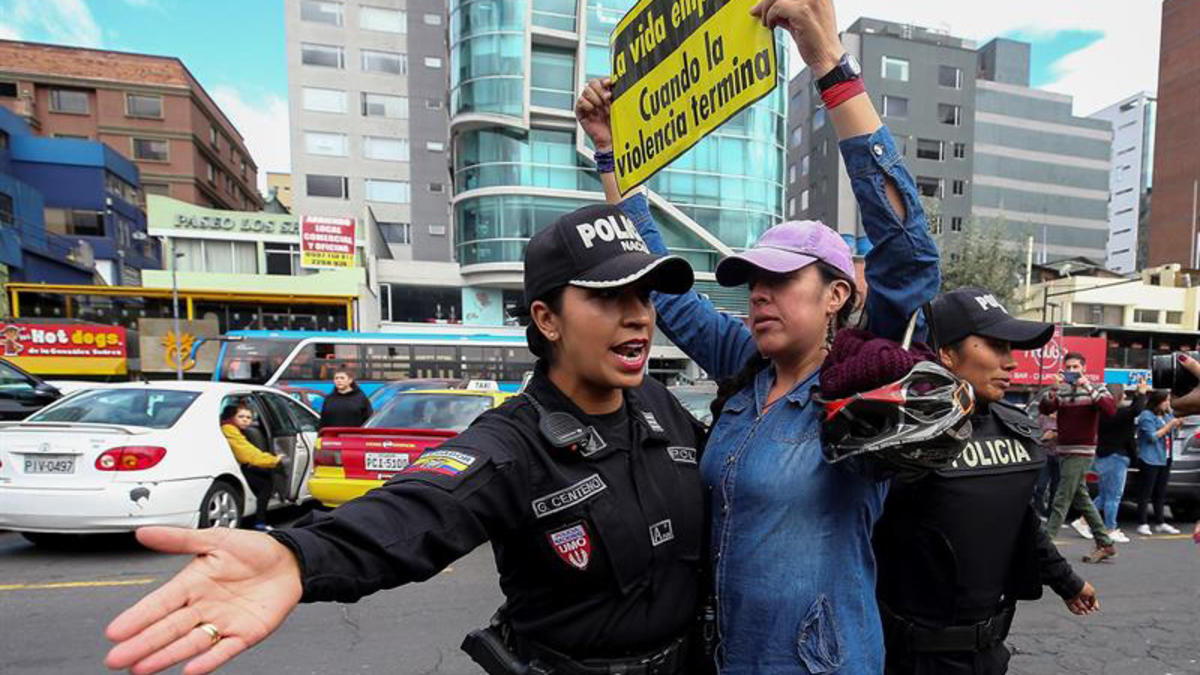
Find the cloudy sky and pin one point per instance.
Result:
(1098, 51)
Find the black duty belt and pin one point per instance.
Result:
(967, 638)
(670, 660)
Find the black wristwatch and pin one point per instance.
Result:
(847, 69)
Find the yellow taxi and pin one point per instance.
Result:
(349, 461)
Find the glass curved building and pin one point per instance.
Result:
(519, 159)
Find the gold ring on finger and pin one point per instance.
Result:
(214, 635)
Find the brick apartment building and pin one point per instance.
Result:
(149, 108)
(1173, 213)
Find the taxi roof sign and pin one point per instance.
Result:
(483, 385)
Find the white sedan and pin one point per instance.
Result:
(118, 457)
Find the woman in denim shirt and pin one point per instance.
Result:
(791, 535)
(1154, 427)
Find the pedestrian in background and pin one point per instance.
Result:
(1047, 482)
(1116, 446)
(1154, 428)
(1079, 405)
(346, 405)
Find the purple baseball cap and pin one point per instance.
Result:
(786, 248)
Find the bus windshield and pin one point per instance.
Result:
(254, 360)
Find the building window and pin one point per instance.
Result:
(71, 101)
(319, 185)
(804, 165)
(791, 174)
(803, 201)
(76, 137)
(895, 106)
(929, 186)
(435, 146)
(396, 233)
(791, 207)
(324, 100)
(433, 103)
(386, 149)
(151, 149)
(935, 223)
(433, 62)
(321, 11)
(797, 136)
(74, 222)
(930, 149)
(958, 187)
(895, 69)
(960, 151)
(437, 230)
(552, 78)
(157, 189)
(392, 63)
(325, 56)
(144, 105)
(956, 223)
(1145, 315)
(949, 114)
(1174, 317)
(433, 19)
(8, 89)
(283, 259)
(384, 105)
(819, 118)
(211, 171)
(387, 191)
(325, 143)
(949, 76)
(212, 137)
(437, 187)
(6, 210)
(382, 19)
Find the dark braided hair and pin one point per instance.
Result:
(731, 385)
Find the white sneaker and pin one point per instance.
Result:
(1082, 528)
(1119, 537)
(1144, 530)
(1166, 528)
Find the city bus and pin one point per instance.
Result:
(306, 360)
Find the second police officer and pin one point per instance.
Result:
(587, 487)
(957, 548)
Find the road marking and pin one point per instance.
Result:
(1164, 536)
(75, 584)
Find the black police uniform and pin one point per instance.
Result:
(598, 549)
(957, 548)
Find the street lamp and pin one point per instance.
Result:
(140, 236)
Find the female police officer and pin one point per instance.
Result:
(596, 521)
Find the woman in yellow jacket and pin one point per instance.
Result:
(257, 466)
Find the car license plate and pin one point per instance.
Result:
(386, 462)
(50, 464)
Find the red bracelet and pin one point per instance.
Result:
(842, 92)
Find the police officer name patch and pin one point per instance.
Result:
(444, 462)
(568, 496)
(682, 455)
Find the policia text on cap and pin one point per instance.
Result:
(587, 486)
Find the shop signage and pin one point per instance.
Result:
(1039, 366)
(252, 223)
(65, 349)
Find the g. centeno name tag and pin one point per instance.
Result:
(568, 496)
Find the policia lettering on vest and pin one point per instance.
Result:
(957, 548)
(586, 485)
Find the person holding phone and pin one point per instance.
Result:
(1155, 426)
(1079, 405)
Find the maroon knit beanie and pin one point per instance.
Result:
(858, 362)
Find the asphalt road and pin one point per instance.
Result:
(54, 606)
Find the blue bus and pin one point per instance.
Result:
(304, 361)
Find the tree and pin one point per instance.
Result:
(980, 256)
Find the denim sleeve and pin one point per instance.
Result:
(902, 265)
(719, 343)
(1146, 426)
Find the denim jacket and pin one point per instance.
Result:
(1151, 450)
(793, 565)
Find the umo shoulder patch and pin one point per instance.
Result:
(442, 462)
(569, 496)
(573, 545)
(682, 455)
(661, 532)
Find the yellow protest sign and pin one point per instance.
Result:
(680, 68)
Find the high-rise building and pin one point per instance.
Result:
(1039, 170)
(366, 91)
(1174, 233)
(981, 143)
(922, 82)
(520, 160)
(148, 108)
(1132, 120)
